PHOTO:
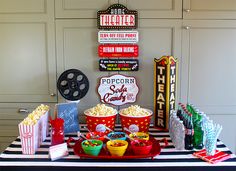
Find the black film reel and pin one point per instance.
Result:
(73, 84)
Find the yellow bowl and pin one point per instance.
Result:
(139, 135)
(117, 147)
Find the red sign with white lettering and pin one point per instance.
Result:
(114, 51)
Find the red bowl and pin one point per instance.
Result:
(94, 121)
(141, 147)
(135, 123)
(96, 135)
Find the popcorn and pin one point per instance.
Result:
(42, 109)
(101, 110)
(135, 110)
(33, 117)
(29, 121)
(34, 129)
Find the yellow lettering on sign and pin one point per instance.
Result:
(160, 113)
(160, 122)
(160, 97)
(161, 88)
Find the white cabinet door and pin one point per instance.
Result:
(27, 50)
(81, 8)
(155, 8)
(208, 67)
(209, 9)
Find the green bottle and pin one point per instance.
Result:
(198, 129)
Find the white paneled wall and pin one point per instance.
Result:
(45, 37)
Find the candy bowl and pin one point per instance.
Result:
(141, 147)
(96, 135)
(92, 147)
(117, 147)
(117, 136)
(139, 135)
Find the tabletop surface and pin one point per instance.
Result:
(169, 156)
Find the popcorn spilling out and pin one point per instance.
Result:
(135, 110)
(34, 129)
(35, 115)
(101, 110)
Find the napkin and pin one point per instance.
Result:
(217, 157)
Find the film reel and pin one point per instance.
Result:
(73, 84)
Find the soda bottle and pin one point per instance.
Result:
(179, 135)
(198, 130)
(189, 133)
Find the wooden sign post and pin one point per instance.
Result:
(165, 81)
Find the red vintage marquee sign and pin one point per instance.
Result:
(114, 51)
(117, 16)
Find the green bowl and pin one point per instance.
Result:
(92, 147)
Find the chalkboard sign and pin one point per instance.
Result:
(68, 112)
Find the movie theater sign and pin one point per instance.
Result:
(115, 51)
(117, 16)
(118, 65)
(115, 37)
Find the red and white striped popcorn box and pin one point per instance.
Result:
(29, 135)
(43, 126)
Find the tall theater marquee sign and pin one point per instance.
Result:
(165, 81)
(117, 16)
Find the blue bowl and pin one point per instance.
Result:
(117, 135)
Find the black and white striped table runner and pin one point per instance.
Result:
(169, 157)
